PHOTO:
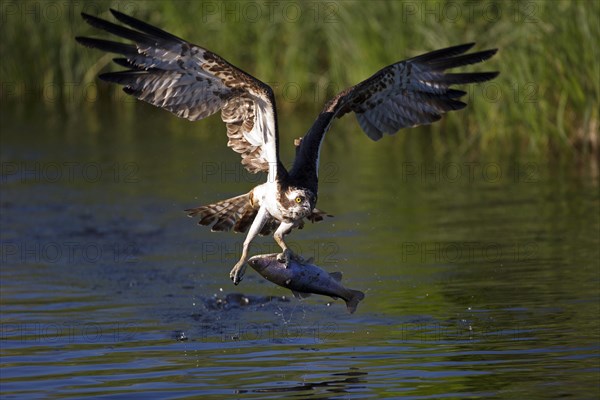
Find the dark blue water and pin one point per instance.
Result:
(481, 273)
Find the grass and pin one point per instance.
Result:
(546, 99)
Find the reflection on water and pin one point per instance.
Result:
(481, 274)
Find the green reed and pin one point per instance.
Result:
(546, 98)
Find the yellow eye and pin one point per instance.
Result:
(298, 199)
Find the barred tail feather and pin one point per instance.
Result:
(237, 212)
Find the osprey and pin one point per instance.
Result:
(193, 83)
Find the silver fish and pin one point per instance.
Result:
(304, 278)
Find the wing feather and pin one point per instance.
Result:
(193, 83)
(409, 93)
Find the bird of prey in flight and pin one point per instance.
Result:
(193, 83)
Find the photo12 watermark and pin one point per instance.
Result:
(467, 252)
(68, 172)
(271, 332)
(19, 252)
(470, 172)
(235, 172)
(322, 251)
(68, 332)
(250, 12)
(455, 12)
(477, 329)
(61, 12)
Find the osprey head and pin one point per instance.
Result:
(298, 202)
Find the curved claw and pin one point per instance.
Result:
(237, 273)
(285, 256)
(288, 255)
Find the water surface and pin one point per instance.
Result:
(481, 273)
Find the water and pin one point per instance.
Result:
(481, 274)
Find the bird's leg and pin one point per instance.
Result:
(240, 267)
(286, 255)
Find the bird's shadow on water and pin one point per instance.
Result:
(338, 383)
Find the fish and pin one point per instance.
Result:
(304, 278)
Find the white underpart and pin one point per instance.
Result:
(266, 195)
(280, 232)
(263, 135)
(257, 224)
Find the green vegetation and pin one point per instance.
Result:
(546, 98)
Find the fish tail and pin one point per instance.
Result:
(355, 297)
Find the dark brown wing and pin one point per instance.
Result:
(409, 93)
(412, 92)
(192, 83)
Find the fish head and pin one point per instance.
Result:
(263, 261)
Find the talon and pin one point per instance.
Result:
(237, 273)
(285, 256)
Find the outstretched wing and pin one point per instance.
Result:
(193, 83)
(409, 93)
